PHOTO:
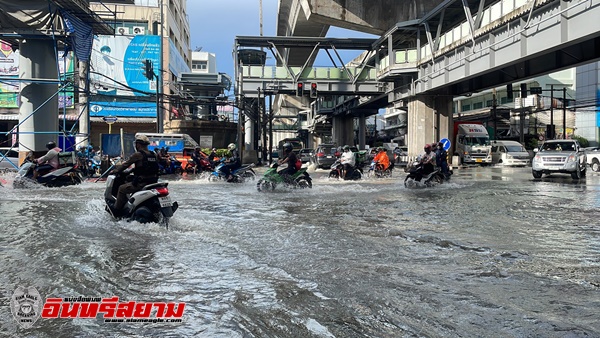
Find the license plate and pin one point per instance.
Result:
(165, 201)
(329, 156)
(478, 160)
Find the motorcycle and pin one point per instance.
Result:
(376, 170)
(67, 174)
(415, 174)
(301, 179)
(337, 167)
(152, 204)
(172, 166)
(240, 175)
(193, 168)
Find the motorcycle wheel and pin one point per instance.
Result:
(304, 183)
(356, 175)
(334, 174)
(263, 185)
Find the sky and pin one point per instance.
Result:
(214, 24)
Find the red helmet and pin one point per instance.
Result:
(427, 147)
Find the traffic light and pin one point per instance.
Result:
(509, 92)
(300, 89)
(523, 90)
(148, 69)
(313, 90)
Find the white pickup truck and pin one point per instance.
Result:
(559, 156)
(593, 158)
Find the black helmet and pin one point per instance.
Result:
(346, 147)
(50, 145)
(287, 147)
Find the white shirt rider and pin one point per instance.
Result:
(347, 157)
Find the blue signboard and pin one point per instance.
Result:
(123, 109)
(446, 142)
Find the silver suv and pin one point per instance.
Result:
(559, 156)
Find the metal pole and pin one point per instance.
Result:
(564, 113)
(270, 129)
(551, 134)
(159, 124)
(159, 84)
(494, 113)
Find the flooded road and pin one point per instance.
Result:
(493, 253)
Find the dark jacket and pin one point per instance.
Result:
(146, 166)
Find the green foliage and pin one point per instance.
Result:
(582, 140)
(220, 152)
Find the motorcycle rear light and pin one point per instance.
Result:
(162, 192)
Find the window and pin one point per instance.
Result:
(466, 107)
(477, 105)
(202, 65)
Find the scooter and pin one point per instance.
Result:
(193, 168)
(337, 167)
(301, 179)
(415, 174)
(173, 166)
(376, 170)
(67, 174)
(240, 175)
(152, 204)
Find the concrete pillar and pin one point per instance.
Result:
(362, 131)
(343, 130)
(38, 60)
(82, 138)
(429, 120)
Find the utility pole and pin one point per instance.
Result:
(550, 135)
(494, 104)
(564, 113)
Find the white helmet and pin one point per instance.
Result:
(141, 138)
(231, 146)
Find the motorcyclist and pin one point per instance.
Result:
(381, 159)
(427, 160)
(144, 173)
(48, 161)
(291, 159)
(347, 160)
(212, 156)
(441, 159)
(196, 156)
(232, 163)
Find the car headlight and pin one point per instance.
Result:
(537, 158)
(571, 158)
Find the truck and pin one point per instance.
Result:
(472, 143)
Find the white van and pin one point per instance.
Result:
(509, 153)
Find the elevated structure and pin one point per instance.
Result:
(39, 29)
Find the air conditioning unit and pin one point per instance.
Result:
(139, 30)
(122, 31)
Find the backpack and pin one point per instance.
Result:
(298, 164)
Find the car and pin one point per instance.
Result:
(559, 156)
(509, 153)
(12, 155)
(305, 154)
(325, 155)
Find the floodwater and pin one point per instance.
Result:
(494, 253)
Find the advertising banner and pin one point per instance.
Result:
(117, 64)
(9, 67)
(123, 109)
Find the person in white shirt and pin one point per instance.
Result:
(48, 161)
(428, 160)
(347, 160)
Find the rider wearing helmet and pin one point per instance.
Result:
(212, 156)
(381, 159)
(48, 161)
(289, 157)
(232, 163)
(347, 160)
(144, 173)
(441, 159)
(427, 159)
